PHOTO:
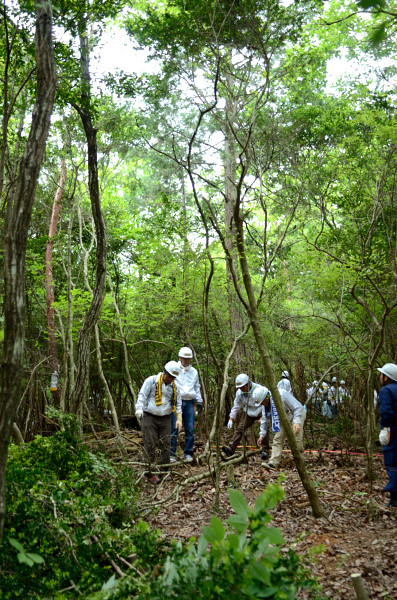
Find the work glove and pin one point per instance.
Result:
(297, 428)
(138, 413)
(199, 408)
(384, 436)
(178, 423)
(230, 424)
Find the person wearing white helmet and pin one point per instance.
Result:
(326, 399)
(296, 416)
(252, 410)
(189, 387)
(388, 423)
(314, 396)
(158, 398)
(334, 396)
(284, 383)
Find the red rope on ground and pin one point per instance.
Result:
(325, 451)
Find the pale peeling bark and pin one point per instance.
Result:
(19, 210)
(49, 283)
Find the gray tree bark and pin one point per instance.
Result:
(78, 395)
(19, 210)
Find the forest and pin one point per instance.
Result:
(232, 192)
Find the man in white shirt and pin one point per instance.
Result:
(252, 410)
(158, 399)
(284, 383)
(189, 388)
(296, 416)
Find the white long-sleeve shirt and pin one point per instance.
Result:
(285, 384)
(146, 397)
(292, 407)
(189, 385)
(245, 401)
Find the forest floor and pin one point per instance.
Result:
(359, 534)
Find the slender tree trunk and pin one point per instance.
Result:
(49, 283)
(92, 316)
(19, 210)
(252, 311)
(68, 365)
(230, 198)
(131, 390)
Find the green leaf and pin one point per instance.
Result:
(36, 558)
(214, 533)
(202, 545)
(259, 571)
(110, 583)
(274, 536)
(16, 544)
(238, 503)
(237, 523)
(24, 559)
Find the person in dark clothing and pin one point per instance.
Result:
(388, 423)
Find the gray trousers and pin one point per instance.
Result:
(156, 432)
(245, 423)
(279, 439)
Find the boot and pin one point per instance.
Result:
(393, 500)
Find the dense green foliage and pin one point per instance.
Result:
(74, 510)
(71, 516)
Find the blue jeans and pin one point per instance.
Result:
(188, 424)
(391, 485)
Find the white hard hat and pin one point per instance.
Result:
(285, 374)
(390, 370)
(334, 380)
(172, 368)
(241, 380)
(259, 394)
(185, 352)
(315, 382)
(325, 385)
(341, 381)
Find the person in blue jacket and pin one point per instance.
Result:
(388, 423)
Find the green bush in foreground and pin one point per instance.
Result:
(70, 524)
(245, 563)
(69, 515)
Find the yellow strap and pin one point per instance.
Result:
(158, 395)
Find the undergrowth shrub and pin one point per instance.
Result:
(73, 512)
(245, 563)
(71, 526)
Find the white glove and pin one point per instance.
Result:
(138, 413)
(384, 436)
(297, 428)
(230, 424)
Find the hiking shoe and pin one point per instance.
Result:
(264, 455)
(173, 459)
(269, 465)
(227, 451)
(188, 458)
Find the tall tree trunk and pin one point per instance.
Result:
(49, 283)
(83, 346)
(128, 378)
(19, 210)
(230, 198)
(68, 364)
(252, 311)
